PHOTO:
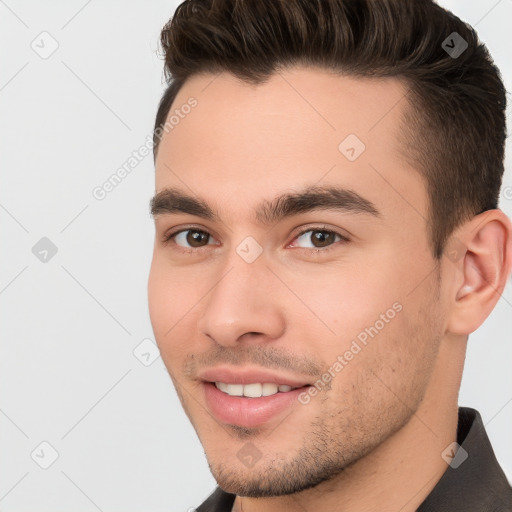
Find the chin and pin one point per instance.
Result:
(267, 481)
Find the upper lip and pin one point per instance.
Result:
(248, 376)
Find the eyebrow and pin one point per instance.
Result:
(174, 200)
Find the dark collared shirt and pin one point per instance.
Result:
(478, 484)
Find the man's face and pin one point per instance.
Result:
(341, 303)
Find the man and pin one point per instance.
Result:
(327, 237)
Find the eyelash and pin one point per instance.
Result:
(169, 238)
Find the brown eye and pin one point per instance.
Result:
(190, 238)
(322, 238)
(318, 238)
(197, 238)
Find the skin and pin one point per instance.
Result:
(388, 415)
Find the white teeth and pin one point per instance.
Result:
(255, 390)
(269, 389)
(222, 386)
(235, 389)
(252, 390)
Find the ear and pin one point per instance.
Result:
(481, 255)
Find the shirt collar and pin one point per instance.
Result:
(474, 481)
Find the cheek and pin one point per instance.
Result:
(346, 302)
(170, 300)
(158, 301)
(390, 369)
(171, 294)
(372, 318)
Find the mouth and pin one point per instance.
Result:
(250, 399)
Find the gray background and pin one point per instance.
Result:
(70, 326)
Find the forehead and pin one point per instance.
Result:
(241, 143)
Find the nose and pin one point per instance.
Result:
(245, 304)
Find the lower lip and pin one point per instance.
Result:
(248, 412)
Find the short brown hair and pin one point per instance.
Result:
(455, 125)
